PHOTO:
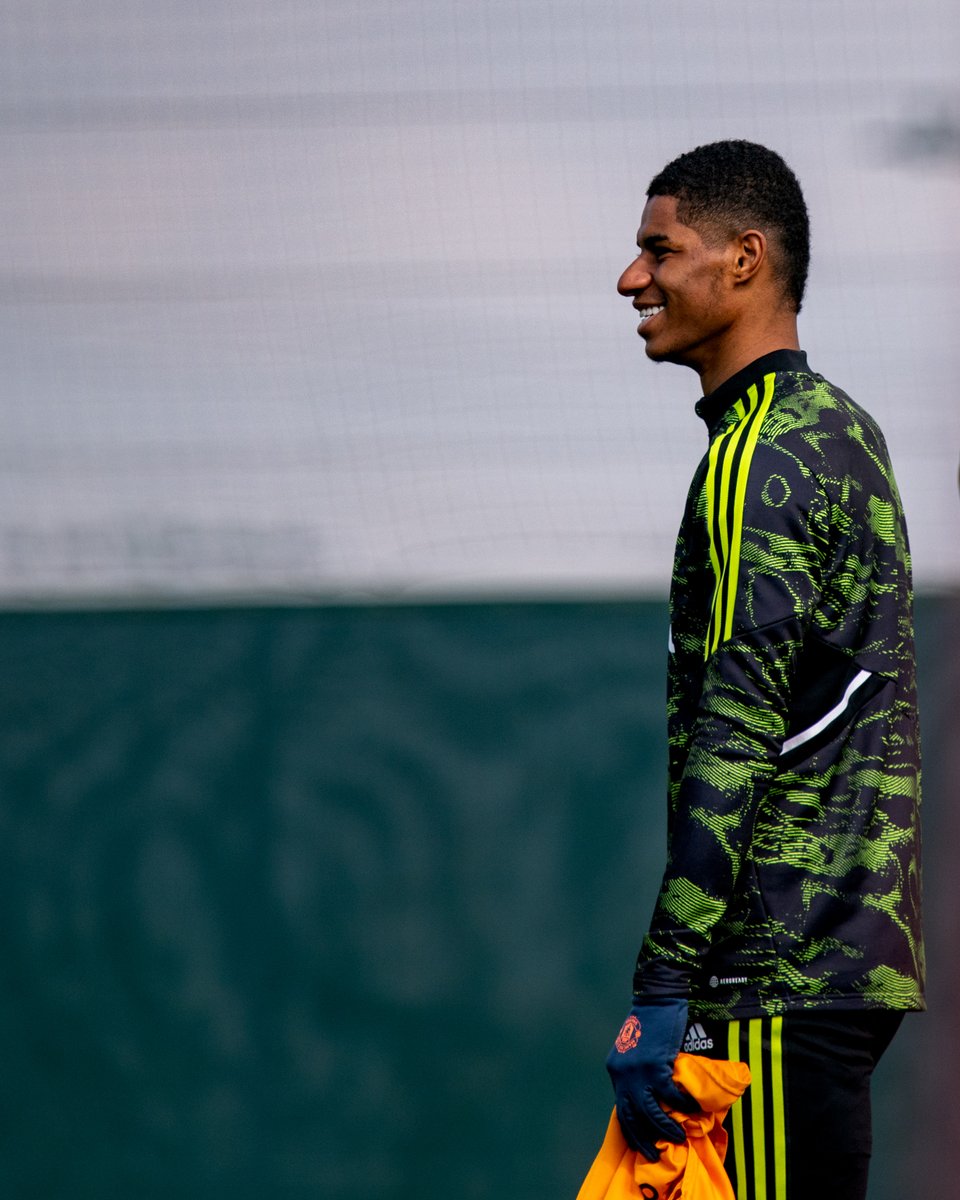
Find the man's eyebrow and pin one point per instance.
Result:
(651, 241)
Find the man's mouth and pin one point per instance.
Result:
(649, 311)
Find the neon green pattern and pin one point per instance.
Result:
(729, 458)
(793, 873)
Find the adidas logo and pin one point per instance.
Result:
(697, 1039)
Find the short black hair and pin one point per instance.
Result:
(734, 185)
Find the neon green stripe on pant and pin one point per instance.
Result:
(739, 1152)
(766, 1079)
(779, 1119)
(755, 1059)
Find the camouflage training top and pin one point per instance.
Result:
(793, 874)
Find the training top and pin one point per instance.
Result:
(793, 849)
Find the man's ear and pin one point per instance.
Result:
(750, 253)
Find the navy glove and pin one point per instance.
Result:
(641, 1067)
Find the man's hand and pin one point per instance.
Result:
(641, 1067)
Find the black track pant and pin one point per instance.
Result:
(803, 1129)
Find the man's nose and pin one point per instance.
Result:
(635, 278)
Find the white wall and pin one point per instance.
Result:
(304, 299)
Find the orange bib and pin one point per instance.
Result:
(691, 1171)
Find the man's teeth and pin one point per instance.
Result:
(647, 313)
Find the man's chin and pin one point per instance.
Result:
(656, 353)
(659, 352)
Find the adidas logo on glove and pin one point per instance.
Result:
(697, 1039)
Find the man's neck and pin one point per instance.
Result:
(742, 351)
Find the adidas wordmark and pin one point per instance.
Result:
(697, 1039)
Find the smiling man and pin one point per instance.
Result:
(787, 927)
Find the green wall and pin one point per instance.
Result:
(343, 902)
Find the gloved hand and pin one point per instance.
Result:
(641, 1067)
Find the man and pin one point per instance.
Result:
(787, 928)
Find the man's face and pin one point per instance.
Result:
(681, 287)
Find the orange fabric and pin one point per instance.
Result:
(693, 1170)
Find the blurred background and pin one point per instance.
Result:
(337, 509)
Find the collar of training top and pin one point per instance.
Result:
(712, 407)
